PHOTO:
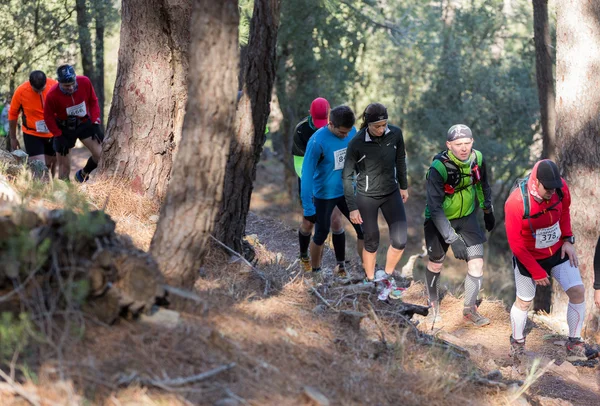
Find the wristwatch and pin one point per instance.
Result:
(570, 239)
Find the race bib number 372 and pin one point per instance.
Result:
(339, 157)
(78, 110)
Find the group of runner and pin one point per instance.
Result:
(54, 115)
(362, 172)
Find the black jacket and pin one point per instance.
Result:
(304, 130)
(379, 164)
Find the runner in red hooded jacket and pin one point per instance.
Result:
(538, 228)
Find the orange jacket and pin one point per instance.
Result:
(31, 104)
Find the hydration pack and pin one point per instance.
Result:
(452, 175)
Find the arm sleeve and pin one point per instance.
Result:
(435, 200)
(401, 173)
(486, 202)
(49, 117)
(348, 177)
(311, 158)
(565, 215)
(513, 212)
(597, 266)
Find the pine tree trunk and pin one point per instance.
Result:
(194, 195)
(85, 40)
(545, 79)
(148, 106)
(253, 109)
(99, 66)
(577, 133)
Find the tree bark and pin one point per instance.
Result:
(578, 126)
(253, 109)
(148, 106)
(99, 53)
(194, 196)
(545, 78)
(85, 40)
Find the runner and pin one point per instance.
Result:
(538, 229)
(456, 181)
(72, 112)
(322, 180)
(377, 158)
(319, 116)
(29, 100)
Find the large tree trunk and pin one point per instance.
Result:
(545, 79)
(85, 40)
(148, 106)
(578, 126)
(99, 66)
(194, 196)
(251, 119)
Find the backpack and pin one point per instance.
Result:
(452, 175)
(522, 185)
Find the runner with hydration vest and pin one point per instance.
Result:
(456, 181)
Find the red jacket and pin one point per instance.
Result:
(519, 230)
(82, 103)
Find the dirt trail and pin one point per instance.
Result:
(488, 346)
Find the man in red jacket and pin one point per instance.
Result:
(538, 228)
(72, 112)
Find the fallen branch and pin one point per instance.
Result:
(18, 389)
(323, 299)
(168, 384)
(186, 294)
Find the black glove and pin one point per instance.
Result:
(61, 145)
(490, 220)
(98, 133)
(459, 248)
(312, 219)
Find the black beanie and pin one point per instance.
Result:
(548, 175)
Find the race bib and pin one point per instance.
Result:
(547, 237)
(40, 126)
(78, 110)
(339, 158)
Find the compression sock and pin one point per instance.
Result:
(339, 246)
(432, 280)
(89, 166)
(304, 240)
(472, 287)
(575, 316)
(518, 319)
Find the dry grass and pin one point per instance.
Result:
(132, 212)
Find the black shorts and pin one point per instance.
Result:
(468, 227)
(35, 145)
(546, 263)
(83, 131)
(324, 208)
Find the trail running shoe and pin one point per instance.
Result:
(575, 349)
(471, 316)
(517, 349)
(386, 286)
(79, 176)
(305, 264)
(340, 271)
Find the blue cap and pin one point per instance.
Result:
(65, 74)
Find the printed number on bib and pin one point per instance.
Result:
(41, 127)
(547, 237)
(340, 157)
(78, 110)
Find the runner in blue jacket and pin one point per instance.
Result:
(322, 187)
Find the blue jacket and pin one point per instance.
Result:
(322, 167)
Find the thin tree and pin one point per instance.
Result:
(85, 38)
(148, 106)
(578, 126)
(545, 78)
(258, 75)
(194, 195)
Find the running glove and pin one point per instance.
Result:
(490, 220)
(459, 248)
(312, 218)
(60, 144)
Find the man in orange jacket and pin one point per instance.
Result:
(29, 99)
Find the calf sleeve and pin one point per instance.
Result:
(575, 317)
(432, 280)
(518, 319)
